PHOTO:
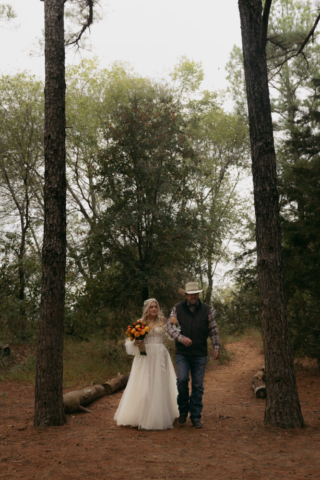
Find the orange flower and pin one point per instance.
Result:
(133, 331)
(147, 329)
(137, 334)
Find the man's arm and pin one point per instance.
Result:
(171, 329)
(214, 334)
(174, 333)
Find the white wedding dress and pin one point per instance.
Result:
(150, 398)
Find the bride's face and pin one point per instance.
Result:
(153, 309)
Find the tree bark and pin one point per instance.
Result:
(282, 405)
(48, 395)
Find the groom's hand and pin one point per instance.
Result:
(187, 342)
(216, 354)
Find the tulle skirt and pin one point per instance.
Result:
(150, 399)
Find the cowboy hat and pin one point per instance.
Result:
(191, 287)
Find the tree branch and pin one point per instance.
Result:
(78, 202)
(86, 25)
(304, 43)
(264, 23)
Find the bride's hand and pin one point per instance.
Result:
(137, 342)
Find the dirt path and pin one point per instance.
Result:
(233, 445)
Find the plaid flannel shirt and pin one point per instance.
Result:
(212, 326)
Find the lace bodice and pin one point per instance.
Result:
(155, 336)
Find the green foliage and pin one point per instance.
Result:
(238, 307)
(188, 75)
(18, 317)
(6, 12)
(143, 180)
(301, 232)
(152, 175)
(237, 86)
(222, 139)
(21, 164)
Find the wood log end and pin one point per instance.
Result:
(4, 350)
(260, 392)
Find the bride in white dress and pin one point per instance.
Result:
(150, 399)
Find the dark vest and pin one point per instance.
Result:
(193, 325)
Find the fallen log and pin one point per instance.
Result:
(116, 384)
(78, 399)
(4, 350)
(258, 384)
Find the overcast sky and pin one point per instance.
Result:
(149, 34)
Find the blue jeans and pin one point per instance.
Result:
(196, 364)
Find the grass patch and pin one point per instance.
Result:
(83, 362)
(227, 338)
(94, 361)
(21, 371)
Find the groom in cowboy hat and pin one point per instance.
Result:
(190, 324)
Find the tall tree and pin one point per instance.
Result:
(21, 156)
(48, 400)
(294, 90)
(145, 170)
(282, 406)
(222, 139)
(48, 394)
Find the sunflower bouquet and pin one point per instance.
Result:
(137, 331)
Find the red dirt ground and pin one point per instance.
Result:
(233, 445)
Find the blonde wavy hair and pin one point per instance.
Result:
(159, 320)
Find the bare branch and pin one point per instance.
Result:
(81, 207)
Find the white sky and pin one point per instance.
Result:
(149, 34)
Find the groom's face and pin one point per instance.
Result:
(192, 298)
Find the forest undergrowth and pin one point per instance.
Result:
(96, 359)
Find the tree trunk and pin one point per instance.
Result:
(48, 396)
(21, 270)
(145, 293)
(282, 405)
